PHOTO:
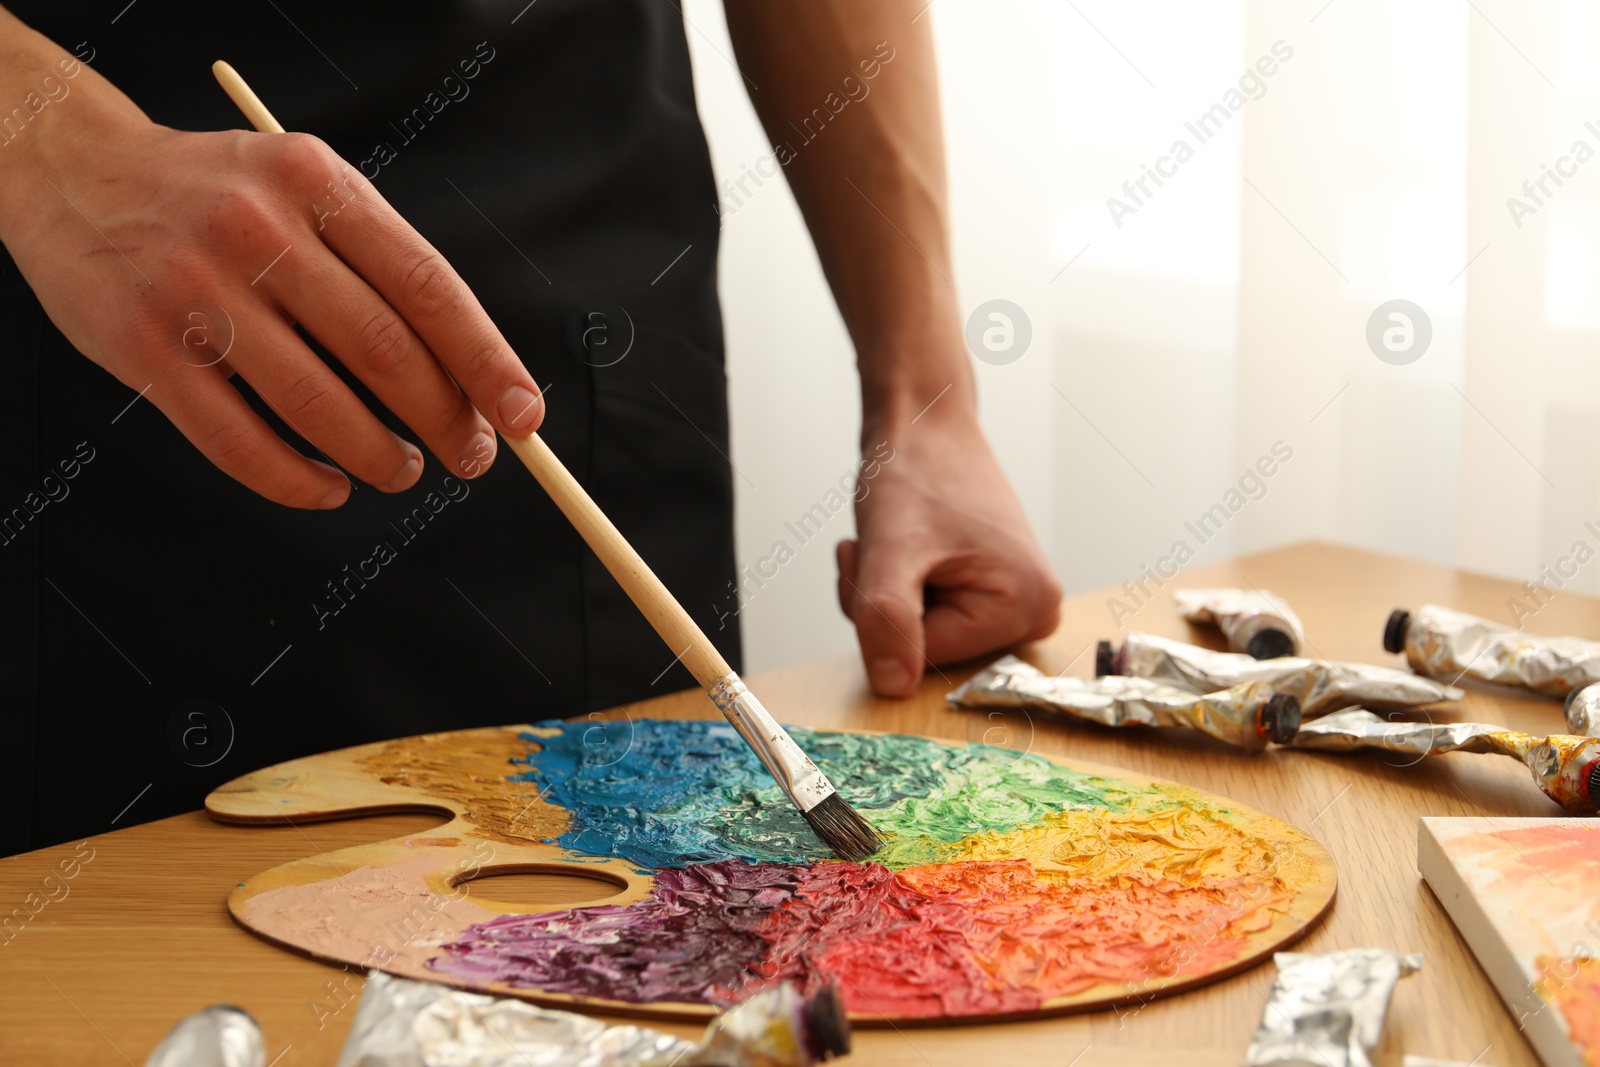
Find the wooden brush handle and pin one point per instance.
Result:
(245, 98)
(647, 591)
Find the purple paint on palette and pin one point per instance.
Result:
(692, 939)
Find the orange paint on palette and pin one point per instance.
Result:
(991, 937)
(1059, 937)
(1077, 901)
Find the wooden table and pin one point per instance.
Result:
(142, 936)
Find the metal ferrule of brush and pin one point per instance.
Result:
(806, 785)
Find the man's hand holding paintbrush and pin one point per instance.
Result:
(237, 238)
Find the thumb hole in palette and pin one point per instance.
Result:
(537, 887)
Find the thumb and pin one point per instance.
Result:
(882, 595)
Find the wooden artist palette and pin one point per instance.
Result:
(1013, 885)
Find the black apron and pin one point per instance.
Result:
(167, 628)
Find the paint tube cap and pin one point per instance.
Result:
(1105, 659)
(1591, 783)
(1566, 705)
(1280, 718)
(827, 1025)
(1270, 644)
(1394, 631)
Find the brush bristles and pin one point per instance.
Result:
(843, 829)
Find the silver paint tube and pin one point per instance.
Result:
(1252, 620)
(218, 1036)
(1245, 716)
(1448, 644)
(1321, 686)
(1563, 766)
(1327, 1009)
(1583, 710)
(403, 1023)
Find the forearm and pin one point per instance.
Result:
(848, 95)
(51, 107)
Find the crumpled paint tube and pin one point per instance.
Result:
(1254, 621)
(405, 1023)
(1565, 767)
(1583, 710)
(1245, 716)
(1327, 1008)
(1448, 644)
(218, 1036)
(1321, 686)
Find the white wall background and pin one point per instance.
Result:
(1229, 312)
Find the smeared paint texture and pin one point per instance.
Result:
(1007, 880)
(1573, 984)
(451, 765)
(1544, 875)
(664, 794)
(691, 938)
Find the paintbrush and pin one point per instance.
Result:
(838, 824)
